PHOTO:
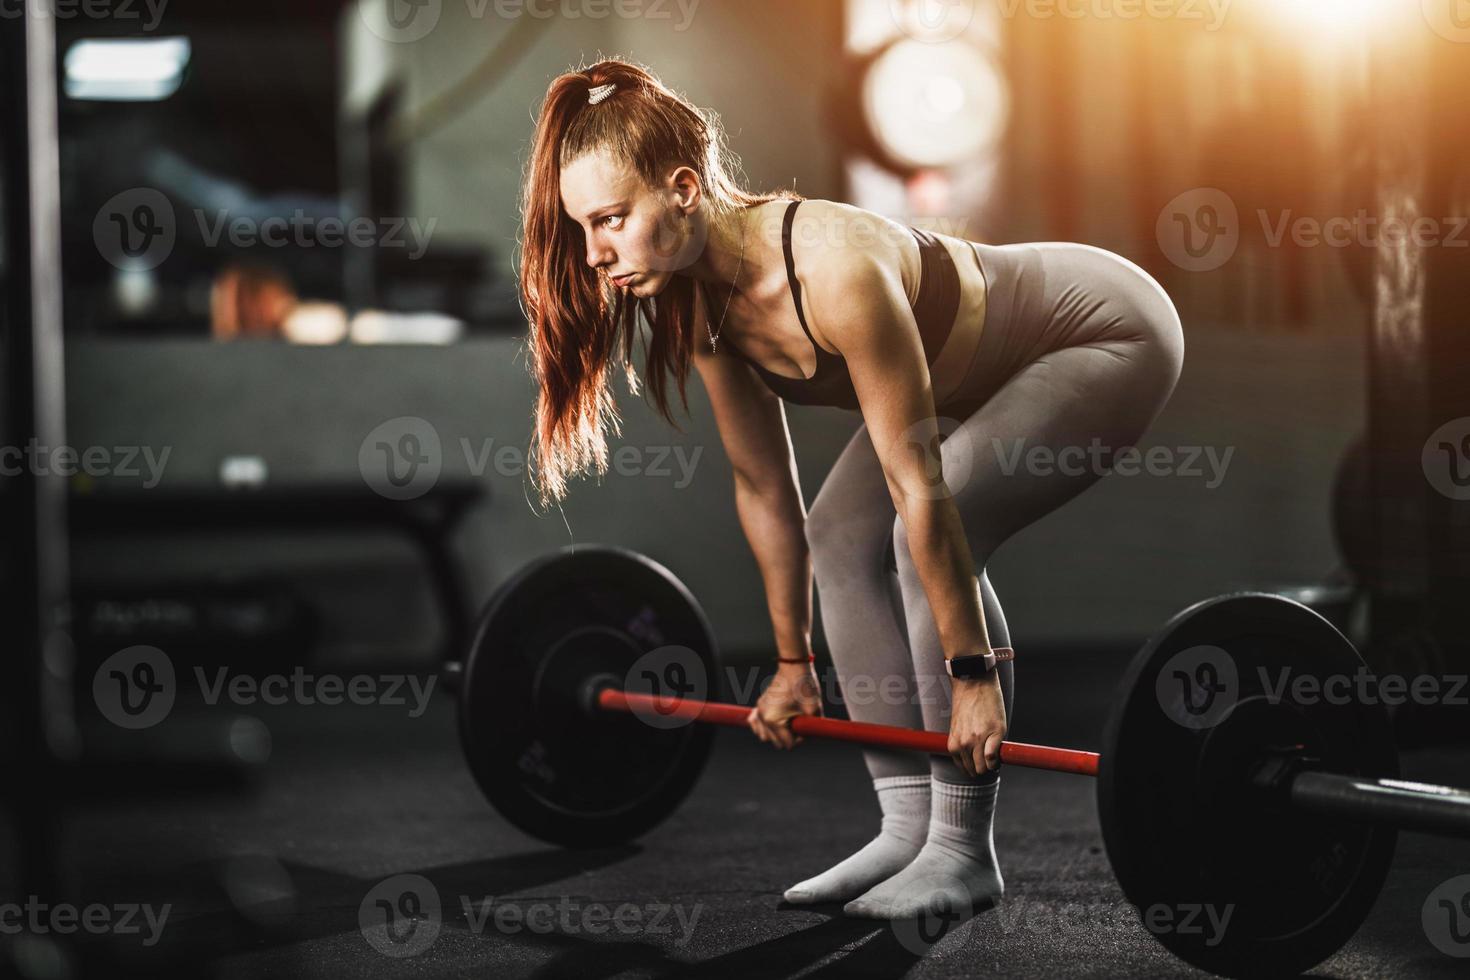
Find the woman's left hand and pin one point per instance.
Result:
(977, 724)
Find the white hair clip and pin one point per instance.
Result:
(600, 92)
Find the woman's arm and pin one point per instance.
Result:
(752, 426)
(864, 313)
(858, 306)
(774, 527)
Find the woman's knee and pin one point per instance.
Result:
(1151, 355)
(1158, 343)
(980, 549)
(1168, 338)
(838, 539)
(822, 528)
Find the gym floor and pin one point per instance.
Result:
(270, 882)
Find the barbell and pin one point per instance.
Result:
(1233, 782)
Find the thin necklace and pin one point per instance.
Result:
(714, 335)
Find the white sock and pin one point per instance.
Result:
(905, 804)
(956, 869)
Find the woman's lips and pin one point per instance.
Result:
(621, 281)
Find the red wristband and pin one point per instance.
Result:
(810, 658)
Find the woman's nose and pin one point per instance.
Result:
(597, 257)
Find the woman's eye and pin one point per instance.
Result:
(610, 220)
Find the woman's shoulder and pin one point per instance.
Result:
(850, 263)
(843, 246)
(835, 238)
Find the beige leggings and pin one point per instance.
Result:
(1080, 351)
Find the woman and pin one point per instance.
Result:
(629, 208)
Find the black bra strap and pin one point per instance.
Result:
(791, 271)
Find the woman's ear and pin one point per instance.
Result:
(685, 189)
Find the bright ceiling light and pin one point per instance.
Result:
(126, 69)
(934, 105)
(1336, 17)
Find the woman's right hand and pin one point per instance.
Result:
(793, 691)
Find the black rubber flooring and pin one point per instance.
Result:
(271, 882)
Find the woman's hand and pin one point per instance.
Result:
(977, 724)
(793, 691)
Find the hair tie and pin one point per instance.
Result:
(597, 94)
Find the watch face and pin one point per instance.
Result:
(970, 665)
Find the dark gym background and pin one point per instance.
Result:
(265, 544)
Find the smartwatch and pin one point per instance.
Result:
(976, 665)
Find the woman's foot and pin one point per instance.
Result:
(906, 806)
(956, 869)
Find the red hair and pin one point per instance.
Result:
(575, 317)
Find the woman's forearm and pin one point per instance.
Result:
(775, 526)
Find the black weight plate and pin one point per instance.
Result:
(561, 773)
(1224, 876)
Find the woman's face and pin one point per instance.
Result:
(637, 236)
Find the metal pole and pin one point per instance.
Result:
(1441, 810)
(37, 696)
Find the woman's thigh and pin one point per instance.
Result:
(1091, 349)
(1047, 434)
